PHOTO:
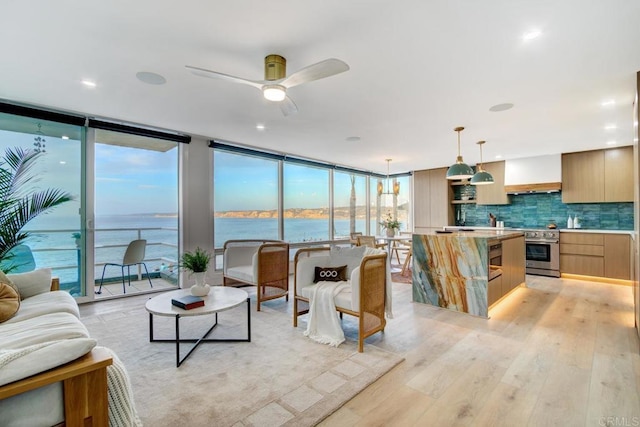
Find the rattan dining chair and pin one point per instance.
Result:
(134, 255)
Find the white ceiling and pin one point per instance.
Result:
(418, 69)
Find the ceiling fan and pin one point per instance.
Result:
(276, 82)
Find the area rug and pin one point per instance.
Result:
(279, 378)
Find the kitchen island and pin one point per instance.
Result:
(455, 270)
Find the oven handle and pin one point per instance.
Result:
(542, 241)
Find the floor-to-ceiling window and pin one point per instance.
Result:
(245, 197)
(136, 197)
(350, 204)
(56, 237)
(390, 197)
(306, 203)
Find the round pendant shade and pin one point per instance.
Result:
(460, 171)
(482, 178)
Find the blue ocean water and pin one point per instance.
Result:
(55, 245)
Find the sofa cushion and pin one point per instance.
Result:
(330, 274)
(21, 362)
(342, 299)
(243, 273)
(352, 257)
(45, 303)
(41, 329)
(32, 283)
(9, 301)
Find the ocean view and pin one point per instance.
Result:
(54, 245)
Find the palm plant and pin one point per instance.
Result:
(19, 204)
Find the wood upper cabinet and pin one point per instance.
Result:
(618, 174)
(432, 198)
(598, 176)
(493, 194)
(583, 177)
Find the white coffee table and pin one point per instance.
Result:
(220, 298)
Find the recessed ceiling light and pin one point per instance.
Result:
(150, 78)
(260, 126)
(498, 156)
(89, 83)
(501, 107)
(62, 162)
(353, 138)
(611, 143)
(608, 103)
(530, 35)
(610, 127)
(65, 137)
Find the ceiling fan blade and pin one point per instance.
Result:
(320, 70)
(215, 75)
(288, 107)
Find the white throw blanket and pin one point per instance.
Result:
(323, 325)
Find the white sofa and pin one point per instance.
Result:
(261, 263)
(50, 368)
(368, 295)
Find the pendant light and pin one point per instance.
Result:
(396, 185)
(481, 177)
(459, 170)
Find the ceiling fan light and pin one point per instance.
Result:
(274, 92)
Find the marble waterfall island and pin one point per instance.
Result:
(453, 271)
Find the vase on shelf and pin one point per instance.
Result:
(200, 289)
(391, 232)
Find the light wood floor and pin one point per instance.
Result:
(558, 352)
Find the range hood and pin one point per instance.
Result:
(540, 174)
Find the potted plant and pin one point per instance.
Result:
(391, 225)
(20, 202)
(197, 263)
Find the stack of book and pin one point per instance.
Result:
(188, 302)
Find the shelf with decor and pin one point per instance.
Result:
(463, 202)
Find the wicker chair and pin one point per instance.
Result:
(261, 263)
(370, 241)
(365, 299)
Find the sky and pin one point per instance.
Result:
(136, 181)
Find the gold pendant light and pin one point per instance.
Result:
(481, 177)
(459, 170)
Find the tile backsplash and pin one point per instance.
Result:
(538, 210)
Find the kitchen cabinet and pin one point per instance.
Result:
(513, 263)
(598, 176)
(595, 254)
(618, 174)
(432, 198)
(617, 256)
(493, 194)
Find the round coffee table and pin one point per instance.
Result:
(220, 298)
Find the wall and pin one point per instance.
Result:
(538, 210)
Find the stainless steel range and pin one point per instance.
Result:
(542, 252)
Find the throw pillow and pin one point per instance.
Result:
(32, 283)
(330, 274)
(352, 257)
(5, 279)
(9, 302)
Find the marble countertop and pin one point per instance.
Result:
(477, 232)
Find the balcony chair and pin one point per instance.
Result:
(134, 255)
